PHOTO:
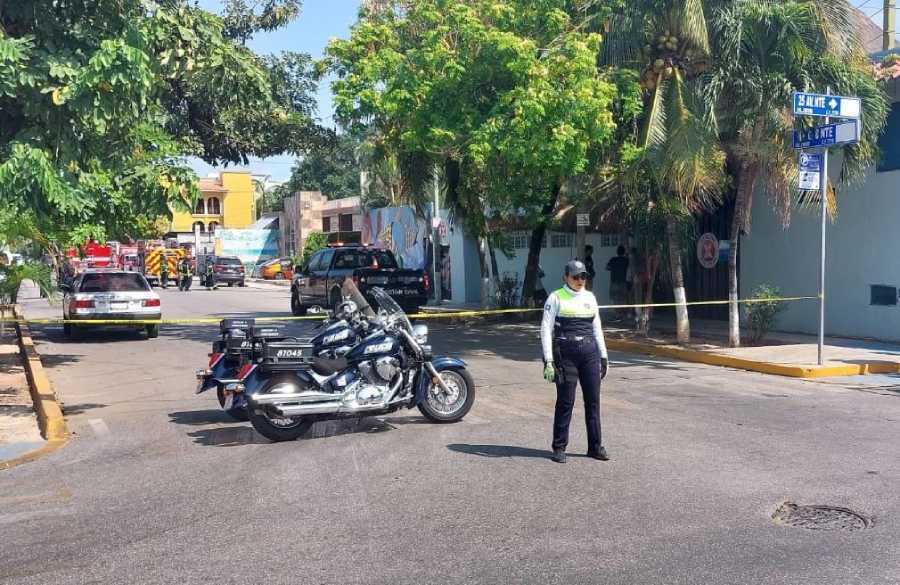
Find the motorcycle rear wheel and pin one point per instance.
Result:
(439, 408)
(274, 428)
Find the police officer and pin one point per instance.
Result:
(163, 270)
(574, 351)
(210, 274)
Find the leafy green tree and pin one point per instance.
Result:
(314, 242)
(330, 168)
(504, 98)
(100, 102)
(667, 41)
(764, 52)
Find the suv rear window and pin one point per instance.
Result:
(229, 261)
(365, 259)
(130, 282)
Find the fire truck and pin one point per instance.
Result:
(152, 259)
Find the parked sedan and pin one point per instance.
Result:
(277, 268)
(110, 294)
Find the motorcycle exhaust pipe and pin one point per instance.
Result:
(294, 397)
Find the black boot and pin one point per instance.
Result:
(600, 454)
(559, 455)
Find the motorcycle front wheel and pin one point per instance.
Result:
(443, 407)
(273, 427)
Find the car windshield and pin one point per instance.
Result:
(100, 282)
(365, 259)
(228, 261)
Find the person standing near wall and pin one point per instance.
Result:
(618, 279)
(589, 265)
(574, 351)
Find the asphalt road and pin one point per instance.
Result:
(158, 486)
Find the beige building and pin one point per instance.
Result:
(310, 211)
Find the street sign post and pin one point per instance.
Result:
(827, 135)
(824, 105)
(810, 175)
(813, 173)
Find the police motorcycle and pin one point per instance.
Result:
(228, 353)
(239, 338)
(288, 388)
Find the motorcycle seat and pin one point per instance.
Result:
(326, 367)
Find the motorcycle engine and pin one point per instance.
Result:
(379, 375)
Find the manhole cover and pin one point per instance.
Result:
(820, 517)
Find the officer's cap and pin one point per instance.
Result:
(575, 267)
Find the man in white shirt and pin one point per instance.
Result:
(574, 351)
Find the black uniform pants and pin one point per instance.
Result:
(576, 361)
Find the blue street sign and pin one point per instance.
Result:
(817, 104)
(810, 175)
(827, 135)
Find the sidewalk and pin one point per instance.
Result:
(787, 354)
(19, 433)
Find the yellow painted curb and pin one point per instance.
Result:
(714, 359)
(50, 447)
(50, 415)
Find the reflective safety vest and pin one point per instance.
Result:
(576, 314)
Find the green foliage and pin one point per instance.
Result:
(330, 168)
(507, 93)
(315, 241)
(12, 276)
(761, 317)
(100, 102)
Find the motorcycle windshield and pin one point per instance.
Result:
(390, 306)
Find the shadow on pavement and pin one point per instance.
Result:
(499, 451)
(71, 409)
(200, 417)
(243, 434)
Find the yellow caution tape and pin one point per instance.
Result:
(441, 315)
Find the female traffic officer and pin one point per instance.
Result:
(574, 350)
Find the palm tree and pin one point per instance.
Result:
(765, 51)
(667, 41)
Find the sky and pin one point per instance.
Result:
(320, 21)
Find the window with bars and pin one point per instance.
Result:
(609, 240)
(326, 225)
(562, 240)
(522, 239)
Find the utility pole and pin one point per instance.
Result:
(890, 25)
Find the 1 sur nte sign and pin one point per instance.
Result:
(827, 135)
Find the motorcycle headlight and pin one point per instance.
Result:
(420, 334)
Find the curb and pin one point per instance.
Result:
(50, 415)
(714, 359)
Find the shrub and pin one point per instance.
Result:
(761, 316)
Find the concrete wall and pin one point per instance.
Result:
(553, 261)
(862, 245)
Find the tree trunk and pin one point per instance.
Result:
(682, 322)
(534, 248)
(746, 182)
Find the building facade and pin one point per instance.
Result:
(226, 201)
(862, 273)
(311, 211)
